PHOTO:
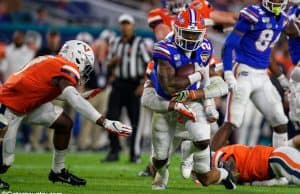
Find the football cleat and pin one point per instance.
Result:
(230, 181)
(161, 178)
(65, 177)
(4, 185)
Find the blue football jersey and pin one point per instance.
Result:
(168, 51)
(261, 30)
(294, 42)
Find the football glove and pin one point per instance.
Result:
(184, 96)
(117, 128)
(185, 111)
(230, 80)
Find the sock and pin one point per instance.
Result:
(58, 162)
(223, 174)
(280, 139)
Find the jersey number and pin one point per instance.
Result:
(264, 40)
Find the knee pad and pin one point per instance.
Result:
(201, 145)
(202, 161)
(158, 164)
(279, 118)
(3, 169)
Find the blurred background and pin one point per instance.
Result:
(30, 28)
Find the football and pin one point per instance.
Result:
(185, 70)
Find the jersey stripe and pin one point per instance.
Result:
(249, 16)
(153, 19)
(73, 70)
(193, 17)
(158, 48)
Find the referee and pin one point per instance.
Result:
(128, 58)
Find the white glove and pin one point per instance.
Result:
(185, 111)
(230, 80)
(117, 127)
(284, 82)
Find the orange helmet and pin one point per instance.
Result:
(189, 29)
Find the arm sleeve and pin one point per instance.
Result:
(72, 96)
(233, 41)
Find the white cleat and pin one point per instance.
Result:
(186, 167)
(160, 181)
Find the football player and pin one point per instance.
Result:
(186, 46)
(259, 163)
(26, 97)
(257, 30)
(161, 21)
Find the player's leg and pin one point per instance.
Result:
(8, 141)
(113, 112)
(268, 101)
(236, 103)
(294, 112)
(163, 129)
(133, 110)
(295, 142)
(199, 132)
(53, 117)
(285, 162)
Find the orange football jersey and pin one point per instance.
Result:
(32, 86)
(160, 16)
(252, 163)
(205, 7)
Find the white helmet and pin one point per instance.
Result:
(275, 7)
(81, 54)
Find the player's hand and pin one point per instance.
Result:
(91, 93)
(184, 96)
(212, 114)
(284, 82)
(185, 111)
(117, 127)
(230, 80)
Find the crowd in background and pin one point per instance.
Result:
(25, 45)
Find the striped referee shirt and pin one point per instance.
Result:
(134, 57)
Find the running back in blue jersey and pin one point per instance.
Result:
(261, 30)
(168, 51)
(294, 42)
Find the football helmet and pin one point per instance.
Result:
(81, 54)
(189, 30)
(177, 6)
(275, 6)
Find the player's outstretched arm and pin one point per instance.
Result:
(73, 97)
(172, 83)
(223, 17)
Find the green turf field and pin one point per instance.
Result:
(30, 171)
